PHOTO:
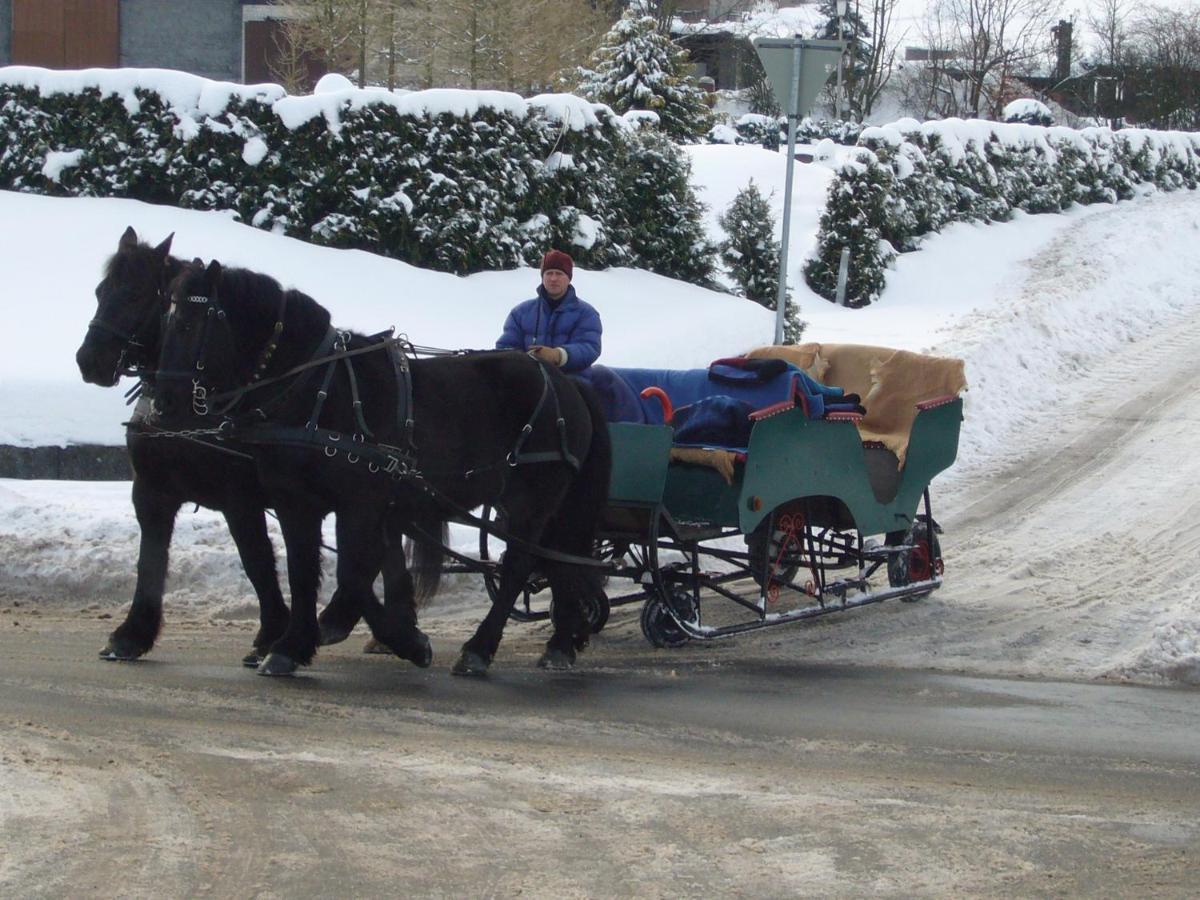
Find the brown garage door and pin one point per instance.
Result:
(66, 34)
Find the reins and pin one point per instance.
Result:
(396, 460)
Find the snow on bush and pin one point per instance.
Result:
(771, 132)
(909, 179)
(445, 179)
(1028, 112)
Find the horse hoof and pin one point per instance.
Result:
(422, 657)
(374, 646)
(253, 659)
(119, 654)
(331, 635)
(277, 665)
(556, 661)
(470, 664)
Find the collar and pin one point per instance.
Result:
(566, 298)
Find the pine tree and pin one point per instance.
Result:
(853, 211)
(751, 254)
(637, 67)
(662, 222)
(858, 54)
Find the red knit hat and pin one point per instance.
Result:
(556, 259)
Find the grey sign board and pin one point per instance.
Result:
(817, 62)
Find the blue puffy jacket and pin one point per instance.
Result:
(573, 325)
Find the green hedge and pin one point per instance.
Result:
(906, 180)
(455, 181)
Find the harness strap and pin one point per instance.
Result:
(323, 390)
(404, 391)
(320, 358)
(268, 351)
(356, 401)
(517, 458)
(264, 411)
(511, 539)
(394, 461)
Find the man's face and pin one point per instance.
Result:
(555, 281)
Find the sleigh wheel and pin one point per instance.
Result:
(920, 563)
(598, 610)
(659, 626)
(764, 544)
(523, 610)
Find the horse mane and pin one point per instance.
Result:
(256, 298)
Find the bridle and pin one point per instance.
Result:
(135, 340)
(215, 313)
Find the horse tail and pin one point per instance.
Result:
(426, 557)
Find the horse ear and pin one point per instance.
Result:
(163, 249)
(129, 239)
(214, 272)
(197, 262)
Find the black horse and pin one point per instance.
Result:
(348, 424)
(124, 338)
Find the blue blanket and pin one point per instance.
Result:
(712, 405)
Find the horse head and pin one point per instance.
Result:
(130, 299)
(199, 354)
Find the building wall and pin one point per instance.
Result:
(5, 32)
(199, 36)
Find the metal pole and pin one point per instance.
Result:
(793, 115)
(843, 276)
(841, 57)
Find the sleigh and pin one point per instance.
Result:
(823, 509)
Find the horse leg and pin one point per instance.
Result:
(301, 527)
(342, 614)
(396, 580)
(248, 527)
(156, 518)
(480, 649)
(339, 617)
(568, 584)
(363, 548)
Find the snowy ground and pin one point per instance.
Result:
(1061, 319)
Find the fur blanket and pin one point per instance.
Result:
(891, 383)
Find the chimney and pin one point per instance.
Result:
(1062, 45)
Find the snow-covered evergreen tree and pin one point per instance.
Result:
(663, 222)
(853, 210)
(751, 254)
(637, 67)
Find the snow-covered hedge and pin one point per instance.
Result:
(771, 132)
(907, 179)
(454, 180)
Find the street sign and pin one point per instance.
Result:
(817, 61)
(796, 70)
